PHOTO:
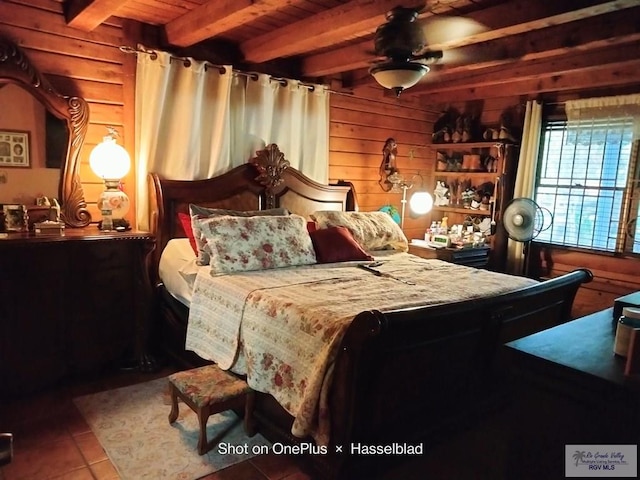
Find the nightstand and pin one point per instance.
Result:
(471, 257)
(71, 305)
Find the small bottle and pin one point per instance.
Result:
(428, 234)
(444, 225)
(107, 220)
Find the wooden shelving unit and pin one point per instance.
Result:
(496, 164)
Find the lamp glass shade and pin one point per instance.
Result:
(399, 75)
(109, 160)
(421, 203)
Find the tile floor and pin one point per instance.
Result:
(52, 441)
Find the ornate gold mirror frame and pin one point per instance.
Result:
(15, 68)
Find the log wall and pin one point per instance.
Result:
(91, 65)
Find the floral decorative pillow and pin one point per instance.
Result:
(242, 244)
(372, 230)
(197, 212)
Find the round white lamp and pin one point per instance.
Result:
(111, 162)
(421, 203)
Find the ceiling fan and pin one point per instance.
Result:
(405, 42)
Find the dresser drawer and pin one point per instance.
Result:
(471, 257)
(69, 305)
(104, 254)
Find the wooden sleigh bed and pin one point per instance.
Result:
(406, 376)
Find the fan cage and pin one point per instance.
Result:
(532, 216)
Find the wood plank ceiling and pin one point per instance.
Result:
(527, 48)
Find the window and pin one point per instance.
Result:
(587, 178)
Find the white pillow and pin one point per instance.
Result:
(372, 230)
(242, 244)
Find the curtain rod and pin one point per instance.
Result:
(253, 75)
(221, 68)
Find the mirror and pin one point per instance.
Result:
(72, 112)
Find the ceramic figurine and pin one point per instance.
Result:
(441, 195)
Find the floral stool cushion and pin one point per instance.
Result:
(208, 390)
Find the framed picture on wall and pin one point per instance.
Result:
(14, 149)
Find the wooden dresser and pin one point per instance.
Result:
(70, 305)
(572, 390)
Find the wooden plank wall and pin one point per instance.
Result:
(360, 126)
(89, 65)
(614, 276)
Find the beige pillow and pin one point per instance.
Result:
(372, 230)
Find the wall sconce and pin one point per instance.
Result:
(111, 162)
(420, 202)
(389, 176)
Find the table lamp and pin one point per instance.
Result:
(420, 202)
(111, 162)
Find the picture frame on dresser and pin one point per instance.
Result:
(14, 217)
(14, 149)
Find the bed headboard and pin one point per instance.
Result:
(265, 181)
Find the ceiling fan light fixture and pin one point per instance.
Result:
(398, 76)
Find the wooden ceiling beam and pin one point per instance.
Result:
(520, 17)
(87, 15)
(531, 69)
(216, 17)
(350, 20)
(598, 32)
(340, 60)
(588, 79)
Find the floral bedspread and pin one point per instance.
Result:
(282, 327)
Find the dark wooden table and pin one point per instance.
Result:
(571, 390)
(581, 350)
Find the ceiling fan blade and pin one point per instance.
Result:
(442, 31)
(429, 57)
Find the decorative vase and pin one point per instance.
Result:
(114, 200)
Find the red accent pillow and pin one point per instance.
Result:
(311, 227)
(336, 244)
(185, 220)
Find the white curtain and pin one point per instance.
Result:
(526, 175)
(588, 110)
(196, 121)
(285, 112)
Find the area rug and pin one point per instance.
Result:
(132, 426)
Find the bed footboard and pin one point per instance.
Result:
(414, 375)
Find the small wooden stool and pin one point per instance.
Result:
(208, 390)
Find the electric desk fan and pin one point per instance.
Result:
(524, 220)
